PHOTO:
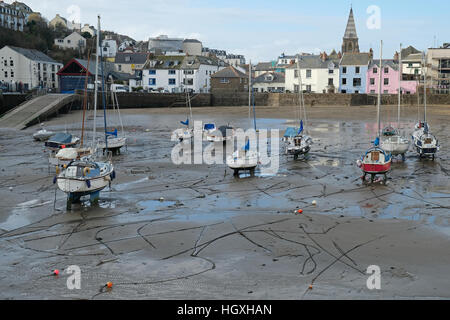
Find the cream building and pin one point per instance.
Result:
(29, 68)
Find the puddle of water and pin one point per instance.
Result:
(155, 205)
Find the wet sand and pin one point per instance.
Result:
(219, 237)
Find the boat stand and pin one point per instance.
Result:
(72, 199)
(252, 172)
(76, 199)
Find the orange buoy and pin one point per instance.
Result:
(56, 272)
(300, 211)
(109, 285)
(310, 287)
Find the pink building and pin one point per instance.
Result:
(389, 80)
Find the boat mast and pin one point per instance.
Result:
(103, 89)
(254, 99)
(400, 78)
(425, 88)
(250, 90)
(85, 100)
(96, 86)
(379, 89)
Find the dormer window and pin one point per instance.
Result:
(127, 59)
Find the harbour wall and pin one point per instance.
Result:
(9, 101)
(238, 99)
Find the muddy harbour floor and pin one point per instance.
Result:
(216, 236)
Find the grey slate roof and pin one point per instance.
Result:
(191, 41)
(408, 51)
(33, 54)
(278, 77)
(350, 31)
(385, 63)
(313, 62)
(194, 62)
(264, 66)
(135, 58)
(355, 59)
(108, 66)
(229, 72)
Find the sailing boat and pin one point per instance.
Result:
(296, 142)
(246, 159)
(113, 142)
(86, 176)
(376, 161)
(425, 142)
(392, 141)
(66, 155)
(186, 134)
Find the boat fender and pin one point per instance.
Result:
(54, 179)
(86, 171)
(88, 183)
(57, 170)
(113, 175)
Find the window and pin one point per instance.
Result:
(6, 74)
(172, 82)
(330, 81)
(295, 73)
(410, 65)
(357, 69)
(386, 81)
(188, 71)
(153, 72)
(386, 70)
(188, 82)
(5, 63)
(308, 88)
(152, 81)
(343, 91)
(11, 63)
(127, 59)
(372, 81)
(330, 71)
(375, 70)
(68, 41)
(171, 71)
(12, 74)
(344, 80)
(308, 74)
(372, 91)
(296, 88)
(385, 91)
(356, 91)
(344, 70)
(356, 82)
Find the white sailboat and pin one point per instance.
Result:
(424, 141)
(114, 140)
(86, 176)
(392, 142)
(295, 140)
(246, 159)
(186, 134)
(43, 134)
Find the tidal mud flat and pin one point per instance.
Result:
(216, 236)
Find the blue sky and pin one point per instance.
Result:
(261, 29)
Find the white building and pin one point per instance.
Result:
(270, 82)
(162, 44)
(109, 48)
(28, 68)
(319, 75)
(11, 18)
(180, 73)
(438, 69)
(73, 41)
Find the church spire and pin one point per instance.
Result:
(350, 44)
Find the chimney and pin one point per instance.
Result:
(324, 56)
(371, 54)
(396, 56)
(340, 55)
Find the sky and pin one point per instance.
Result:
(261, 29)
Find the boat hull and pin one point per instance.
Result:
(376, 168)
(395, 145)
(113, 143)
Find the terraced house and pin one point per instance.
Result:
(27, 68)
(179, 73)
(353, 72)
(11, 17)
(319, 74)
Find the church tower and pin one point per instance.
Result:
(351, 43)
